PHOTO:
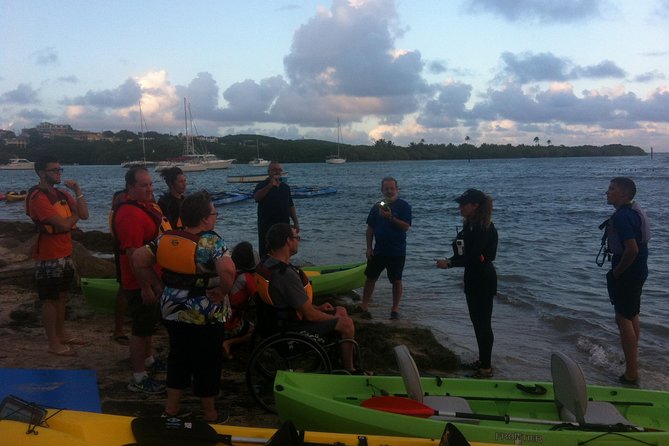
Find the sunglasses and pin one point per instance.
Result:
(55, 170)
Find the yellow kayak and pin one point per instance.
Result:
(73, 428)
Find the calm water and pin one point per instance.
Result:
(551, 294)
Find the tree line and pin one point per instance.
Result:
(126, 146)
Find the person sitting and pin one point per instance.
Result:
(238, 329)
(288, 291)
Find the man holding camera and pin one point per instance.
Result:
(387, 223)
(275, 204)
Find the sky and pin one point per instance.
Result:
(571, 72)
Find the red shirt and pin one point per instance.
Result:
(134, 228)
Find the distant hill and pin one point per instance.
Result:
(127, 146)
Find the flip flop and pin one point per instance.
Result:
(67, 351)
(75, 341)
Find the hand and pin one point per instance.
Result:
(73, 186)
(275, 180)
(215, 295)
(370, 253)
(443, 264)
(385, 212)
(327, 307)
(296, 226)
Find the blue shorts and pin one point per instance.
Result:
(53, 277)
(394, 266)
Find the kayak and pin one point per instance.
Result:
(221, 198)
(335, 279)
(13, 197)
(311, 191)
(73, 428)
(100, 294)
(492, 411)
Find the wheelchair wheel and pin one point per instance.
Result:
(290, 351)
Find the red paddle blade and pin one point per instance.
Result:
(398, 405)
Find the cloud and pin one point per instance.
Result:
(69, 79)
(23, 94)
(543, 11)
(537, 67)
(649, 76)
(447, 107)
(127, 94)
(46, 56)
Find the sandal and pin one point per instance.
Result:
(121, 339)
(67, 351)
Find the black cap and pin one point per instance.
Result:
(471, 196)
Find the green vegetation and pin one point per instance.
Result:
(126, 145)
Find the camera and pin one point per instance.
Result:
(383, 205)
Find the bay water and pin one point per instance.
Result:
(552, 295)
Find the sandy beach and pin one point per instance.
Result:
(25, 346)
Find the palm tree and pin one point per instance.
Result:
(467, 139)
(536, 140)
(549, 142)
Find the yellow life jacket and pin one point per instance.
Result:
(263, 276)
(60, 203)
(176, 253)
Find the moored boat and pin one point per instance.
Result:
(14, 196)
(311, 191)
(73, 428)
(494, 411)
(18, 164)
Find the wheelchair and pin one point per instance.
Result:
(284, 349)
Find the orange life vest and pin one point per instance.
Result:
(263, 276)
(60, 203)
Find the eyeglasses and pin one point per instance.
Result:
(296, 237)
(55, 170)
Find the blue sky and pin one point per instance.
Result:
(499, 71)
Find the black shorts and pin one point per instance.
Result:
(53, 277)
(144, 317)
(625, 295)
(394, 266)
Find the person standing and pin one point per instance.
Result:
(475, 248)
(387, 224)
(628, 233)
(275, 205)
(170, 201)
(55, 213)
(136, 222)
(197, 275)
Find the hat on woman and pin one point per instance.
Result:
(471, 196)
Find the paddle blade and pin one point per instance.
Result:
(153, 431)
(453, 437)
(399, 405)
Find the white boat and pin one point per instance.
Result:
(211, 161)
(336, 159)
(258, 162)
(142, 129)
(190, 160)
(18, 164)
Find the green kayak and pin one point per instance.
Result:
(488, 411)
(100, 294)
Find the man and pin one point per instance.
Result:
(628, 233)
(137, 221)
(387, 223)
(55, 214)
(275, 205)
(287, 292)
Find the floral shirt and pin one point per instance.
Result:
(180, 305)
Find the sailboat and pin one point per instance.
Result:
(336, 159)
(258, 162)
(142, 129)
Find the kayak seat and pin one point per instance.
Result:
(571, 396)
(414, 388)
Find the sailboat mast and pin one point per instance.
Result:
(142, 125)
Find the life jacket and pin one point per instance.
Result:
(151, 208)
(60, 203)
(611, 238)
(176, 253)
(263, 275)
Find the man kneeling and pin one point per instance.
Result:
(286, 286)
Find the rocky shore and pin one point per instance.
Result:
(24, 343)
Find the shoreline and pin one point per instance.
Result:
(25, 343)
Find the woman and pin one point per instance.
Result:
(170, 201)
(475, 249)
(197, 276)
(238, 329)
